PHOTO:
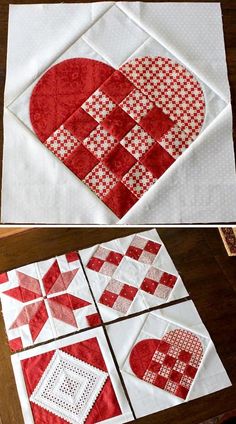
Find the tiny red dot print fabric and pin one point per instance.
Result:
(117, 130)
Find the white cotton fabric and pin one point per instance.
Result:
(146, 398)
(38, 188)
(126, 414)
(132, 272)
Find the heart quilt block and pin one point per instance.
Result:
(117, 130)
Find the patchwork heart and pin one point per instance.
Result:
(170, 363)
(117, 130)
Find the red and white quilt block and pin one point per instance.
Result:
(167, 359)
(126, 109)
(45, 300)
(72, 380)
(131, 274)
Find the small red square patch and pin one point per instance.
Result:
(95, 264)
(118, 123)
(168, 280)
(169, 361)
(163, 346)
(93, 320)
(184, 356)
(160, 381)
(156, 123)
(120, 199)
(108, 298)
(149, 285)
(157, 160)
(114, 258)
(128, 292)
(190, 371)
(152, 247)
(181, 392)
(3, 278)
(72, 256)
(81, 161)
(176, 376)
(154, 366)
(119, 161)
(134, 252)
(80, 124)
(117, 79)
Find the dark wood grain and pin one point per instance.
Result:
(209, 276)
(229, 22)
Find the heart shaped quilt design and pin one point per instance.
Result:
(117, 130)
(170, 363)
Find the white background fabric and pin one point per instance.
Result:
(37, 188)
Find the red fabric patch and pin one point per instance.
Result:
(120, 200)
(152, 247)
(160, 381)
(80, 124)
(72, 256)
(181, 392)
(21, 294)
(133, 252)
(94, 320)
(129, 292)
(117, 87)
(16, 344)
(118, 123)
(3, 278)
(35, 315)
(61, 90)
(114, 257)
(168, 280)
(108, 298)
(141, 355)
(156, 123)
(169, 361)
(119, 161)
(184, 356)
(81, 161)
(163, 346)
(95, 264)
(190, 371)
(175, 376)
(149, 285)
(157, 160)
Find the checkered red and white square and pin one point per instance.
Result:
(138, 179)
(136, 104)
(98, 105)
(105, 261)
(62, 143)
(100, 142)
(100, 180)
(118, 296)
(158, 283)
(137, 142)
(143, 250)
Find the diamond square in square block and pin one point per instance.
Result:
(162, 291)
(114, 286)
(138, 180)
(98, 105)
(122, 304)
(120, 199)
(133, 252)
(100, 142)
(62, 143)
(129, 292)
(108, 269)
(147, 258)
(136, 104)
(119, 161)
(81, 162)
(152, 247)
(137, 142)
(95, 264)
(157, 160)
(100, 180)
(80, 124)
(68, 386)
(118, 123)
(156, 123)
(114, 257)
(148, 285)
(108, 298)
(117, 87)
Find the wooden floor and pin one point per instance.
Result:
(209, 276)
